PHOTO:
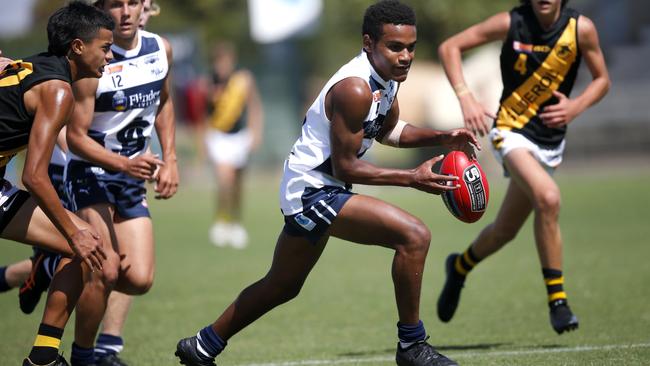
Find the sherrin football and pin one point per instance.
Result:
(469, 201)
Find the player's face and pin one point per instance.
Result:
(96, 54)
(391, 55)
(126, 14)
(546, 7)
(146, 13)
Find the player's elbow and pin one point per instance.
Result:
(344, 172)
(32, 180)
(444, 49)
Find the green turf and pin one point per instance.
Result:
(346, 310)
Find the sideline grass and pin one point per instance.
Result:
(346, 310)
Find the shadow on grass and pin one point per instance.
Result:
(468, 347)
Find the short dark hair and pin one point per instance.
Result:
(75, 20)
(527, 2)
(386, 12)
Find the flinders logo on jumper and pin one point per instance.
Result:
(472, 178)
(134, 98)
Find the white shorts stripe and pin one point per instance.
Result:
(321, 216)
(328, 207)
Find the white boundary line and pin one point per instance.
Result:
(459, 355)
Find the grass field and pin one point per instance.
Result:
(345, 315)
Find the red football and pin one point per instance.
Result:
(467, 203)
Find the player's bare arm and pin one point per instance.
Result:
(80, 143)
(347, 105)
(450, 53)
(52, 103)
(414, 136)
(567, 109)
(167, 177)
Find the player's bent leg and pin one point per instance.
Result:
(135, 246)
(544, 194)
(293, 260)
(31, 226)
(367, 220)
(13, 275)
(92, 303)
(545, 197)
(511, 216)
(109, 342)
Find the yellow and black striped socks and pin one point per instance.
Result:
(554, 286)
(465, 262)
(46, 345)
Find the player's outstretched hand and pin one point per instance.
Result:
(464, 140)
(426, 180)
(143, 166)
(560, 114)
(87, 245)
(475, 116)
(166, 179)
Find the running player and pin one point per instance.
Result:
(235, 128)
(109, 135)
(357, 105)
(35, 103)
(543, 44)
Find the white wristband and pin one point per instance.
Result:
(392, 138)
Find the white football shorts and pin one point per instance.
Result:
(229, 148)
(504, 141)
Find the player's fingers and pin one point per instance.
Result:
(559, 95)
(489, 114)
(89, 263)
(101, 252)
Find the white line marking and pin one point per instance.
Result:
(457, 355)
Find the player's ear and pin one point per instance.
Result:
(367, 43)
(77, 46)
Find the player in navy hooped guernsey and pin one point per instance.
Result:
(543, 43)
(36, 101)
(356, 107)
(109, 135)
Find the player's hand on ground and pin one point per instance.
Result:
(560, 114)
(143, 166)
(475, 116)
(166, 179)
(87, 245)
(425, 179)
(464, 140)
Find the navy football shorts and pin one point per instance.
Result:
(88, 185)
(319, 209)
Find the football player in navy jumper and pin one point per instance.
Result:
(357, 106)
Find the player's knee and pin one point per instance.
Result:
(143, 284)
(110, 271)
(549, 202)
(418, 238)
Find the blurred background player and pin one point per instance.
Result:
(234, 130)
(356, 106)
(37, 102)
(544, 42)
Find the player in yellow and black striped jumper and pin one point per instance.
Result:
(36, 101)
(544, 42)
(234, 130)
